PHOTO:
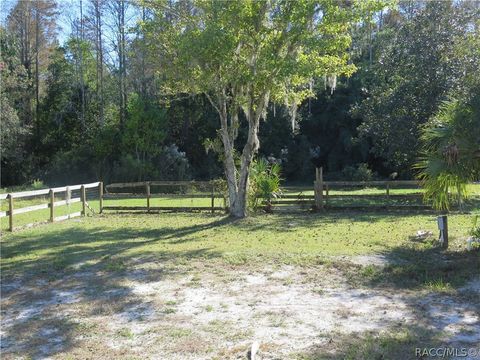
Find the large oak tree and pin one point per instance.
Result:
(243, 55)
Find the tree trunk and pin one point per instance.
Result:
(26, 61)
(82, 80)
(229, 161)
(238, 188)
(99, 48)
(122, 61)
(37, 75)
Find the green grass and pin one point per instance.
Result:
(112, 240)
(125, 333)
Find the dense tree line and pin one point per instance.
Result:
(95, 107)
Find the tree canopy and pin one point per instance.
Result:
(242, 55)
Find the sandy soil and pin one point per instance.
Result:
(209, 311)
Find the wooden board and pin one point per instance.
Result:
(123, 185)
(292, 202)
(38, 207)
(377, 196)
(159, 196)
(300, 197)
(372, 183)
(64, 202)
(159, 208)
(380, 207)
(68, 216)
(47, 191)
(159, 183)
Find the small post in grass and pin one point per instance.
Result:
(100, 196)
(83, 196)
(52, 204)
(318, 187)
(10, 209)
(147, 191)
(442, 221)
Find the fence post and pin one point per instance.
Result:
(100, 196)
(147, 189)
(318, 188)
(213, 198)
(388, 193)
(84, 200)
(442, 222)
(326, 194)
(52, 204)
(10, 209)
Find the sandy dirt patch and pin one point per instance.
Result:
(218, 312)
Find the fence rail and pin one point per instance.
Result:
(341, 195)
(321, 198)
(50, 202)
(208, 191)
(373, 183)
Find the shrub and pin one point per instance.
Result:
(264, 184)
(37, 184)
(359, 173)
(475, 231)
(473, 242)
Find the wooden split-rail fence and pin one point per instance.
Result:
(207, 190)
(323, 199)
(48, 201)
(326, 196)
(209, 196)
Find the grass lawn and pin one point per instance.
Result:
(202, 286)
(285, 238)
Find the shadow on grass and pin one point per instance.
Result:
(85, 268)
(283, 221)
(59, 249)
(411, 268)
(80, 241)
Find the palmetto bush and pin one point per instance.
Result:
(451, 152)
(264, 184)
